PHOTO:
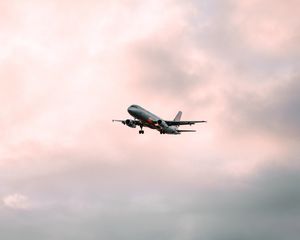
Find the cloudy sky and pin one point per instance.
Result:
(68, 67)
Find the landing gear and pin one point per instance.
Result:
(141, 131)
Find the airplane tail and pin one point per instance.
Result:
(178, 116)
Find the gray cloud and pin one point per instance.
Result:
(99, 202)
(274, 111)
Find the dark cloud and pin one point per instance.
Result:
(265, 205)
(274, 111)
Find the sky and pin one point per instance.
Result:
(67, 68)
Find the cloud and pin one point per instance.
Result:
(272, 110)
(232, 63)
(274, 28)
(267, 202)
(16, 201)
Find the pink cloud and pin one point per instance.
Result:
(63, 83)
(268, 26)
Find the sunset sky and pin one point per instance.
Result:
(67, 68)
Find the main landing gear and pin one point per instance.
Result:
(141, 131)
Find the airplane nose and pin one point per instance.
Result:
(130, 110)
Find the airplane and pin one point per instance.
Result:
(144, 118)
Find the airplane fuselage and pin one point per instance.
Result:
(151, 120)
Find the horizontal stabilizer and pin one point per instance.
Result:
(178, 123)
(186, 131)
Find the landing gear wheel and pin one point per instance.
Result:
(141, 131)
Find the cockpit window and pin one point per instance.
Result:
(135, 106)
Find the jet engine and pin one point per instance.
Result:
(162, 124)
(165, 128)
(130, 123)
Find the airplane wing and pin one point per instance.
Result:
(178, 123)
(122, 121)
(128, 121)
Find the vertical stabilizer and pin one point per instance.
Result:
(178, 116)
